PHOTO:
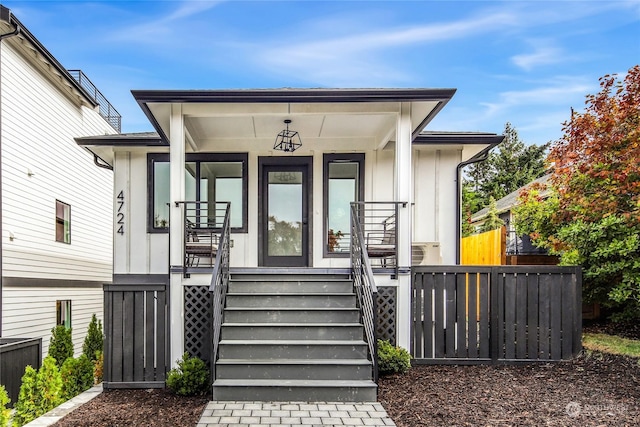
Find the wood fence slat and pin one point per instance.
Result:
(138, 337)
(568, 299)
(533, 331)
(521, 316)
(472, 316)
(161, 336)
(150, 336)
(510, 315)
(128, 326)
(450, 315)
(439, 343)
(118, 338)
(108, 332)
(485, 313)
(498, 346)
(461, 315)
(555, 307)
(544, 293)
(577, 312)
(428, 285)
(418, 318)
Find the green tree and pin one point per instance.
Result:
(61, 344)
(492, 221)
(26, 408)
(77, 376)
(592, 216)
(94, 341)
(4, 412)
(40, 392)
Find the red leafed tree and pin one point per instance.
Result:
(597, 161)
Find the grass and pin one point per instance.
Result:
(611, 344)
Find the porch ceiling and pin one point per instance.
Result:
(359, 116)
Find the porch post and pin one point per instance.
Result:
(176, 233)
(403, 190)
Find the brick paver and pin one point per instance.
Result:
(290, 414)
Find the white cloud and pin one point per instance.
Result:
(543, 54)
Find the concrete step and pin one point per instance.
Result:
(291, 315)
(296, 349)
(310, 369)
(294, 390)
(292, 331)
(290, 286)
(291, 300)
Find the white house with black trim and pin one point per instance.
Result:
(56, 222)
(290, 162)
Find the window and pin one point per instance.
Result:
(208, 177)
(63, 313)
(63, 222)
(343, 184)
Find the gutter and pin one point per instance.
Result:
(5, 15)
(480, 157)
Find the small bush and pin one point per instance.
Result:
(94, 341)
(61, 344)
(98, 368)
(190, 378)
(392, 359)
(26, 408)
(77, 376)
(40, 392)
(4, 412)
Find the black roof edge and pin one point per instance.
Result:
(292, 95)
(11, 19)
(122, 140)
(458, 138)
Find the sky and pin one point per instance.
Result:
(523, 62)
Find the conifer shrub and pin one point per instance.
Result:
(98, 368)
(94, 341)
(77, 376)
(40, 392)
(4, 411)
(61, 344)
(190, 378)
(392, 359)
(26, 407)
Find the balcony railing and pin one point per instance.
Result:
(107, 111)
(203, 226)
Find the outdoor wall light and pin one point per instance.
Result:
(287, 140)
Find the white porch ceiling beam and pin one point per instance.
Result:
(192, 143)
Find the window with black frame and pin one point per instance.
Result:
(209, 178)
(343, 184)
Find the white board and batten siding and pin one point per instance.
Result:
(41, 163)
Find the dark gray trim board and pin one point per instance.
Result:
(141, 139)
(30, 282)
(465, 138)
(140, 279)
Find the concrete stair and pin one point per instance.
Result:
(292, 337)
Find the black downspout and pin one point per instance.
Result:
(5, 15)
(480, 157)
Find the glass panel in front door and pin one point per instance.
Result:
(284, 228)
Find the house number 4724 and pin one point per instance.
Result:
(119, 213)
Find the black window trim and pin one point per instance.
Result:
(330, 158)
(198, 158)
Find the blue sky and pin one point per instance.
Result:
(526, 62)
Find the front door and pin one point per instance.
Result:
(284, 211)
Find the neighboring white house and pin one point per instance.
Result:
(373, 140)
(56, 204)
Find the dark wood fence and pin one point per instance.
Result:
(470, 314)
(15, 355)
(137, 335)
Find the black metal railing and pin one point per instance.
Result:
(380, 235)
(107, 111)
(203, 224)
(365, 286)
(219, 286)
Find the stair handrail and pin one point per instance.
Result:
(365, 286)
(219, 285)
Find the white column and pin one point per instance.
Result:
(403, 191)
(176, 233)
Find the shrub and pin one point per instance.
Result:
(98, 368)
(4, 412)
(61, 344)
(191, 377)
(26, 408)
(77, 376)
(392, 359)
(94, 341)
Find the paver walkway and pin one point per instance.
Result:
(289, 414)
